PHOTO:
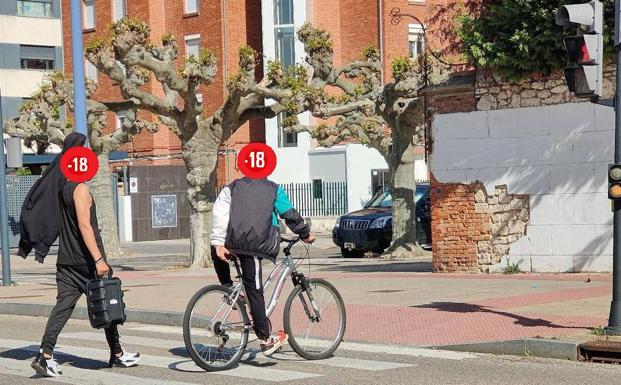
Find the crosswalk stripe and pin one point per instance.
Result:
(344, 362)
(251, 354)
(75, 376)
(354, 346)
(244, 371)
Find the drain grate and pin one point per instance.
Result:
(605, 352)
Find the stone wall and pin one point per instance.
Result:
(508, 216)
(493, 92)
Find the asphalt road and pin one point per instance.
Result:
(82, 352)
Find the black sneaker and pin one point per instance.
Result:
(47, 367)
(126, 360)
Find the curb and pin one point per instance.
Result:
(153, 317)
(528, 347)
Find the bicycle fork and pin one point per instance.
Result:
(300, 279)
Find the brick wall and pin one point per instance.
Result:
(456, 228)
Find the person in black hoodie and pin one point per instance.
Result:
(81, 257)
(42, 202)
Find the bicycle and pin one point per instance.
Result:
(216, 340)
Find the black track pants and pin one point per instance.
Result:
(253, 284)
(71, 282)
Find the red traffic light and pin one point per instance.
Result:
(578, 50)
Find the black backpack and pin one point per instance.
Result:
(104, 298)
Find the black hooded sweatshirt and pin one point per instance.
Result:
(39, 220)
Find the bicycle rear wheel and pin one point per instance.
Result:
(315, 336)
(215, 332)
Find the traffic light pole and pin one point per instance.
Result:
(614, 320)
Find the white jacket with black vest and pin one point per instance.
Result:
(245, 218)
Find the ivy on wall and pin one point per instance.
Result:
(517, 38)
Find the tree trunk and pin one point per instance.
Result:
(200, 154)
(106, 215)
(404, 238)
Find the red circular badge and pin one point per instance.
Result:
(79, 164)
(256, 160)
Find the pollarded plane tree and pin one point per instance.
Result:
(128, 49)
(40, 121)
(386, 117)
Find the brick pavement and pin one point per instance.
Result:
(398, 307)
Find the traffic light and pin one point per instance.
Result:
(585, 50)
(614, 184)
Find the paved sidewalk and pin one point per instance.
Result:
(393, 302)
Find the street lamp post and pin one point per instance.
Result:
(77, 54)
(4, 215)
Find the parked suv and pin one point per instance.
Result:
(370, 229)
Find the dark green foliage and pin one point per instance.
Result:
(519, 37)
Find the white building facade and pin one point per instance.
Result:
(30, 45)
(300, 159)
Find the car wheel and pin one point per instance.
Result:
(351, 253)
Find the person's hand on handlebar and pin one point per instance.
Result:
(222, 253)
(310, 239)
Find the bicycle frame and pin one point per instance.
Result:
(280, 273)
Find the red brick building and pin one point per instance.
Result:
(220, 25)
(224, 26)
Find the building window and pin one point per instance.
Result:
(317, 189)
(285, 46)
(284, 33)
(119, 9)
(283, 12)
(191, 6)
(34, 57)
(35, 8)
(416, 39)
(192, 45)
(120, 119)
(91, 71)
(123, 68)
(285, 139)
(89, 14)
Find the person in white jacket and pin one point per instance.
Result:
(245, 225)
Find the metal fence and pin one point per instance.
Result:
(17, 187)
(318, 198)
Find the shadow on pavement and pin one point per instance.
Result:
(63, 358)
(385, 267)
(459, 307)
(249, 358)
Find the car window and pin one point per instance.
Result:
(420, 191)
(382, 200)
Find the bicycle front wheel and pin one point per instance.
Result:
(215, 330)
(315, 319)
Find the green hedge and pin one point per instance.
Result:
(516, 38)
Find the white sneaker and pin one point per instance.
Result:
(125, 361)
(47, 367)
